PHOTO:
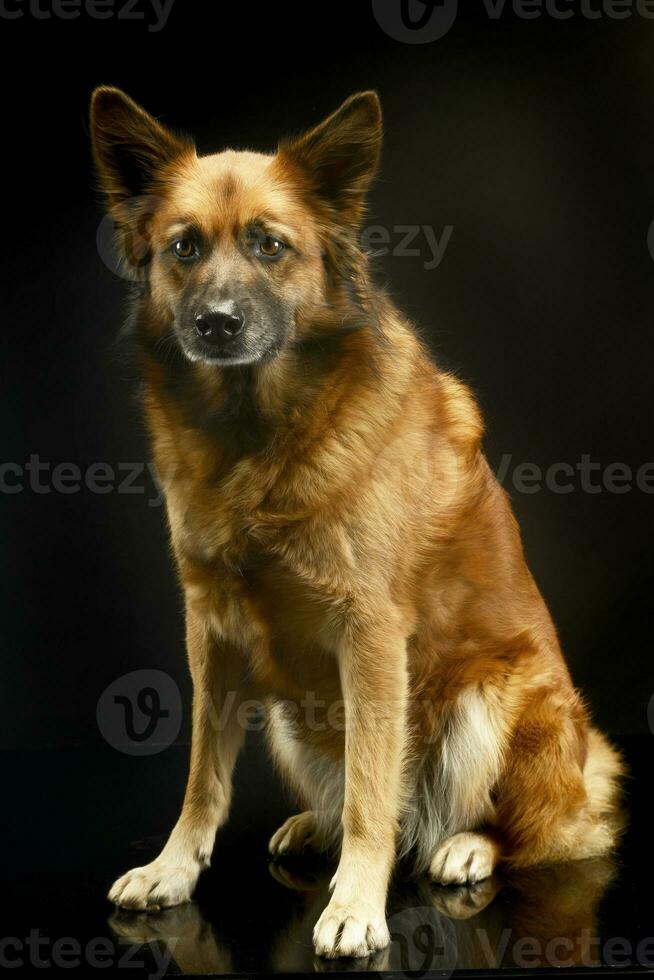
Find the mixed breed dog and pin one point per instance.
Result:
(337, 531)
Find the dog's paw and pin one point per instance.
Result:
(350, 931)
(156, 886)
(298, 833)
(464, 858)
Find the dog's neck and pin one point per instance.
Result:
(238, 411)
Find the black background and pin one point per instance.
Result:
(535, 141)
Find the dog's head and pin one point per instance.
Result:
(238, 251)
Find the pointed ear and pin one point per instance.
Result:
(339, 158)
(130, 147)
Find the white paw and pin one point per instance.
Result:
(295, 835)
(464, 858)
(159, 885)
(349, 930)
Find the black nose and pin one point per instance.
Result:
(217, 328)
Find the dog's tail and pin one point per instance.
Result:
(603, 774)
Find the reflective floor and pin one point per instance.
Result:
(74, 821)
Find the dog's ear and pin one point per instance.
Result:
(130, 147)
(339, 158)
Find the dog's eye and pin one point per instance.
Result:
(185, 249)
(270, 246)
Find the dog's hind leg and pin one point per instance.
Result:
(465, 858)
(554, 799)
(454, 792)
(296, 835)
(316, 778)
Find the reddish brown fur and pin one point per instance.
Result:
(337, 530)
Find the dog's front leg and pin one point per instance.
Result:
(374, 683)
(217, 737)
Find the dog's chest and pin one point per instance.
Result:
(272, 588)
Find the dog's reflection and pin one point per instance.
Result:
(541, 918)
(187, 934)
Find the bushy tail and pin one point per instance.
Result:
(603, 773)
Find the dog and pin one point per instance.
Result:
(341, 541)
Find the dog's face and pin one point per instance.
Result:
(234, 248)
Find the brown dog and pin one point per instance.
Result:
(340, 539)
